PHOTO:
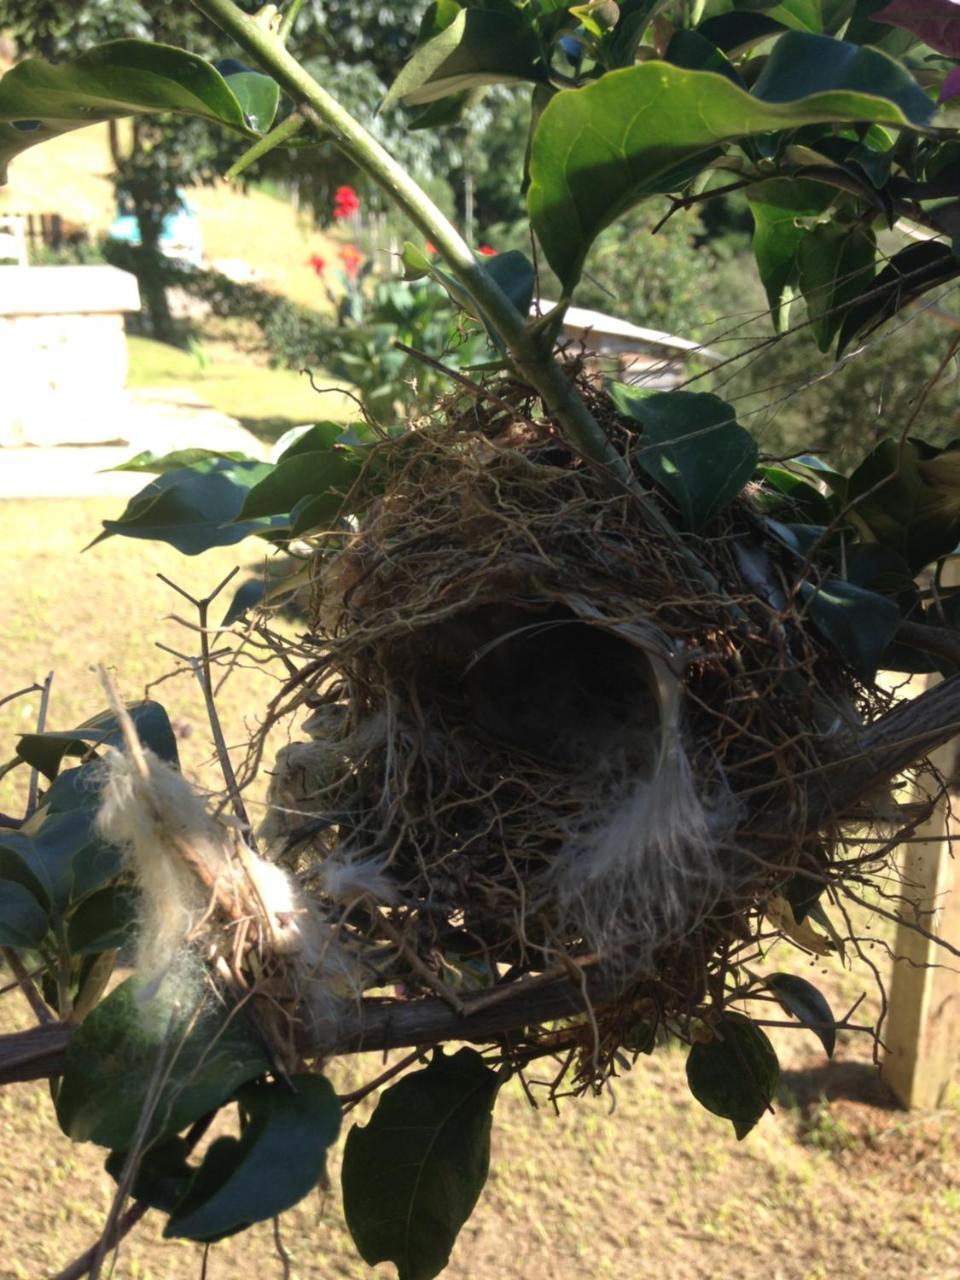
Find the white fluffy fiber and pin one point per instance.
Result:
(651, 856)
(146, 816)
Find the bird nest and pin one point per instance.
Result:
(547, 733)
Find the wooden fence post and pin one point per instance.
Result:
(923, 1027)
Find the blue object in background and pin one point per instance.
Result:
(180, 233)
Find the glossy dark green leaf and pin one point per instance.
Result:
(57, 856)
(822, 471)
(735, 1074)
(45, 751)
(906, 494)
(598, 150)
(312, 513)
(104, 921)
(125, 77)
(875, 567)
(804, 66)
(779, 208)
(513, 272)
(695, 52)
(693, 447)
(194, 508)
(304, 475)
(258, 95)
(413, 1175)
(477, 47)
(159, 464)
(835, 266)
(792, 498)
(816, 16)
(322, 435)
(640, 1037)
(279, 1158)
(805, 887)
(23, 921)
(805, 1002)
(858, 623)
(114, 1053)
(740, 30)
(246, 597)
(162, 1175)
(908, 275)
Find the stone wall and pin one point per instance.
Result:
(63, 354)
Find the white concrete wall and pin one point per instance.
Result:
(63, 354)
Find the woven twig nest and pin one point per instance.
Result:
(545, 730)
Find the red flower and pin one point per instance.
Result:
(429, 246)
(346, 202)
(351, 257)
(317, 263)
(487, 252)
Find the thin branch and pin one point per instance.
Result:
(34, 791)
(80, 1267)
(26, 985)
(20, 693)
(202, 670)
(439, 367)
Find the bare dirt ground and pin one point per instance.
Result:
(838, 1184)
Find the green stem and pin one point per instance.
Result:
(275, 138)
(534, 365)
(289, 18)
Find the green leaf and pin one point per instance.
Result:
(258, 95)
(246, 597)
(193, 509)
(778, 208)
(735, 1074)
(58, 856)
(159, 464)
(322, 435)
(45, 751)
(804, 1001)
(858, 623)
(805, 887)
(908, 275)
(817, 16)
(907, 495)
(477, 47)
(23, 922)
(412, 1177)
(125, 77)
(162, 1174)
(693, 447)
(321, 474)
(835, 266)
(786, 491)
(691, 50)
(114, 1052)
(514, 273)
(104, 921)
(279, 1158)
(600, 149)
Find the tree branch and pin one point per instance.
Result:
(535, 365)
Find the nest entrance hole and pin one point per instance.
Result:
(539, 679)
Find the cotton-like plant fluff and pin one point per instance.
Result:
(182, 858)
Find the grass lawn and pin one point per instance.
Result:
(265, 401)
(834, 1186)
